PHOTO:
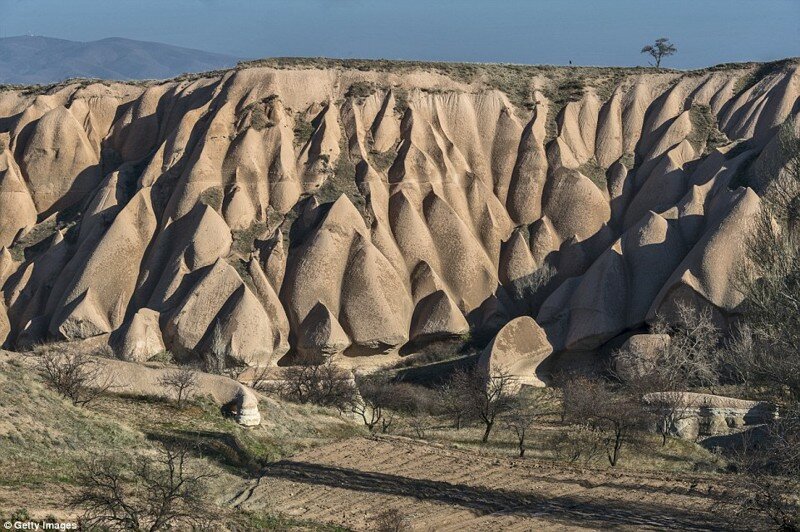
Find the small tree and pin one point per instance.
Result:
(693, 357)
(182, 382)
(527, 410)
(660, 49)
(487, 394)
(75, 375)
(153, 494)
(769, 474)
(769, 278)
(375, 396)
(451, 402)
(613, 412)
(380, 400)
(318, 382)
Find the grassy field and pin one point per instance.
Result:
(44, 439)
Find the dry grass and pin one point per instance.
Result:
(43, 437)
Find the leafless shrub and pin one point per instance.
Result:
(526, 411)
(614, 413)
(768, 350)
(579, 443)
(151, 494)
(420, 424)
(487, 395)
(451, 402)
(183, 384)
(380, 400)
(391, 520)
(318, 382)
(73, 374)
(693, 357)
(769, 474)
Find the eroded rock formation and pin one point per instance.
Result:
(346, 212)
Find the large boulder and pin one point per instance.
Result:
(519, 348)
(638, 355)
(141, 339)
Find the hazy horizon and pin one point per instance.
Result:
(598, 32)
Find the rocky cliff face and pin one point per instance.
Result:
(333, 209)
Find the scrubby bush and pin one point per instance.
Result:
(318, 382)
(75, 375)
(486, 394)
(182, 383)
(612, 412)
(166, 492)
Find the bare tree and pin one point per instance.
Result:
(613, 412)
(75, 375)
(151, 494)
(524, 413)
(768, 350)
(183, 384)
(381, 400)
(318, 382)
(693, 356)
(488, 394)
(373, 401)
(660, 49)
(769, 474)
(452, 403)
(580, 442)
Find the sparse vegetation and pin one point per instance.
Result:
(705, 135)
(73, 374)
(361, 90)
(212, 196)
(391, 520)
(318, 382)
(595, 172)
(488, 395)
(151, 494)
(182, 383)
(303, 129)
(613, 413)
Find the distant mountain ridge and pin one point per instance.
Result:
(27, 59)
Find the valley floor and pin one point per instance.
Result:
(438, 487)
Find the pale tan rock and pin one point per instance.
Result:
(321, 334)
(141, 339)
(575, 205)
(519, 349)
(16, 205)
(58, 161)
(436, 316)
(698, 415)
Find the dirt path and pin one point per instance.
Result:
(441, 488)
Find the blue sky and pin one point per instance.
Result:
(588, 32)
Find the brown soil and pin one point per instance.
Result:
(442, 488)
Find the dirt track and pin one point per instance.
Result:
(439, 488)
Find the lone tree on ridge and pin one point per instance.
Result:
(660, 49)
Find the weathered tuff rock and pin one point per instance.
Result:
(135, 379)
(518, 349)
(642, 351)
(277, 210)
(698, 415)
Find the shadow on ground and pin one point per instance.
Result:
(568, 510)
